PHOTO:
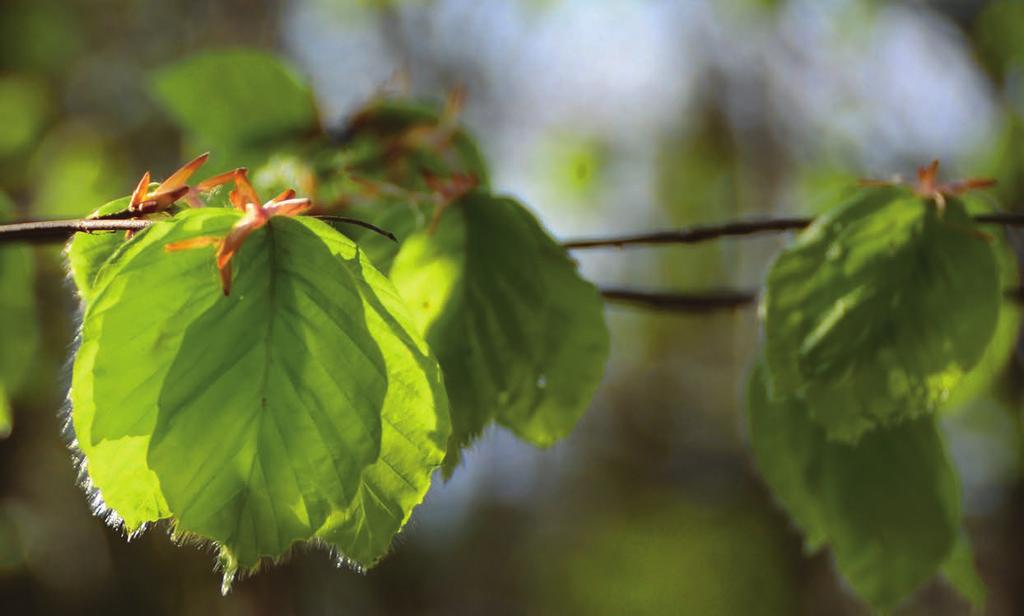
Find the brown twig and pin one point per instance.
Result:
(693, 235)
(43, 231)
(711, 301)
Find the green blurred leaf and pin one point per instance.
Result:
(72, 170)
(19, 318)
(6, 416)
(520, 336)
(986, 373)
(24, 107)
(302, 406)
(400, 142)
(237, 98)
(889, 506)
(662, 556)
(960, 572)
(997, 32)
(43, 36)
(879, 309)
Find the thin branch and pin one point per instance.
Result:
(714, 301)
(711, 301)
(42, 231)
(345, 220)
(693, 235)
(60, 230)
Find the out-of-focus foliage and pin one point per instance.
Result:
(999, 29)
(24, 103)
(888, 506)
(857, 311)
(19, 330)
(237, 99)
(661, 556)
(74, 171)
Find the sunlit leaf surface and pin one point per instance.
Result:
(520, 336)
(303, 405)
(878, 310)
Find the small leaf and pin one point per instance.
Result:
(386, 127)
(889, 506)
(878, 310)
(237, 98)
(302, 406)
(520, 336)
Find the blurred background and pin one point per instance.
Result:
(603, 117)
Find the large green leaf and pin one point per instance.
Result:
(19, 325)
(304, 405)
(237, 98)
(878, 310)
(520, 336)
(889, 506)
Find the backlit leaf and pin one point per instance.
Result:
(520, 336)
(302, 406)
(888, 506)
(878, 310)
(87, 252)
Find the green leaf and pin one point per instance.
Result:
(237, 98)
(878, 310)
(961, 574)
(88, 252)
(993, 363)
(520, 336)
(377, 132)
(302, 406)
(26, 105)
(889, 506)
(6, 416)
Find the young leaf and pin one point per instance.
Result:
(237, 98)
(430, 143)
(302, 406)
(520, 336)
(879, 309)
(889, 506)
